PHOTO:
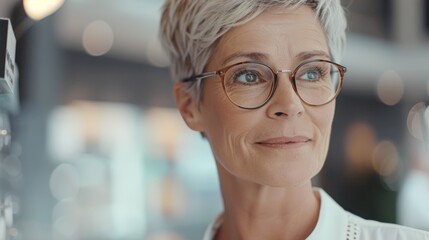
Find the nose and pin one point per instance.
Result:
(285, 103)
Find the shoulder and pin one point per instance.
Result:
(368, 229)
(335, 223)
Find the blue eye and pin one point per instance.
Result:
(314, 73)
(247, 77)
(311, 75)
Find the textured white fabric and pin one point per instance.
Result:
(335, 223)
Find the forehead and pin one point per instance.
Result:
(278, 32)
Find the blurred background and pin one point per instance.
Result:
(98, 151)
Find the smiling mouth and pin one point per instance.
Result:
(285, 142)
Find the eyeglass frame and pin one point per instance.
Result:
(221, 73)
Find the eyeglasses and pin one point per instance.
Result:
(250, 85)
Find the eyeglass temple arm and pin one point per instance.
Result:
(200, 76)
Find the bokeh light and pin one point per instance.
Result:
(156, 55)
(385, 158)
(65, 207)
(92, 169)
(98, 38)
(359, 145)
(66, 226)
(64, 130)
(166, 129)
(8, 211)
(390, 88)
(39, 9)
(414, 120)
(2, 229)
(64, 182)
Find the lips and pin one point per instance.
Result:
(284, 142)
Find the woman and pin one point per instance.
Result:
(259, 79)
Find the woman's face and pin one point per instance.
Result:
(285, 142)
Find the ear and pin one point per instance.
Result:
(188, 107)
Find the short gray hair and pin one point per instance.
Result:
(190, 29)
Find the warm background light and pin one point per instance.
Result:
(390, 88)
(98, 38)
(39, 9)
(385, 158)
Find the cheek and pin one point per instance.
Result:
(219, 115)
(323, 119)
(228, 139)
(227, 128)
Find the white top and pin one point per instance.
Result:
(413, 201)
(335, 223)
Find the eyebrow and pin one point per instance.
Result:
(258, 56)
(310, 54)
(263, 57)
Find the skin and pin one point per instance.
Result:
(266, 188)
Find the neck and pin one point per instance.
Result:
(254, 211)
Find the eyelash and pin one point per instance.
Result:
(244, 71)
(322, 72)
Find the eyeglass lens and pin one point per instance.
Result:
(250, 85)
